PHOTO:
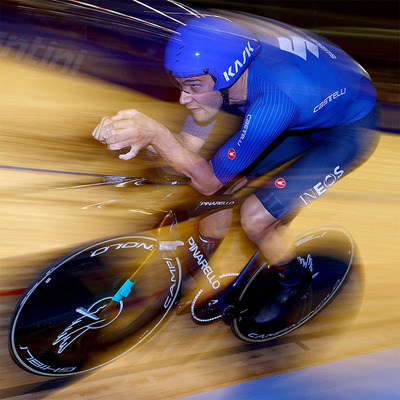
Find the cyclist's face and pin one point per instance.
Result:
(198, 96)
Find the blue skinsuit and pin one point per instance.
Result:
(305, 98)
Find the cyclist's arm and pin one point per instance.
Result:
(185, 139)
(191, 142)
(180, 151)
(130, 128)
(267, 118)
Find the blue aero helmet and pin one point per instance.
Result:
(211, 45)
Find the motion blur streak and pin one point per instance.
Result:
(129, 17)
(46, 118)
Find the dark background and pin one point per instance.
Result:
(125, 52)
(368, 30)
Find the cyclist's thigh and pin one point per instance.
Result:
(333, 154)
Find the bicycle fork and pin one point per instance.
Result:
(126, 288)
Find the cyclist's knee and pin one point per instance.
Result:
(255, 219)
(216, 225)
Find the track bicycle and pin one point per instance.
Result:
(110, 296)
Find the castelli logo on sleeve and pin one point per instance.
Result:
(232, 154)
(280, 183)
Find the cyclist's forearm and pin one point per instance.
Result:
(187, 162)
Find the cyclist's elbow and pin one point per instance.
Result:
(206, 192)
(207, 187)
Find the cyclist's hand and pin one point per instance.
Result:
(102, 129)
(131, 128)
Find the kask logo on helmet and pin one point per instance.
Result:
(238, 65)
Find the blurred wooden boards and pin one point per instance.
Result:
(46, 123)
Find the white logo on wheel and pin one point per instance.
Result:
(88, 321)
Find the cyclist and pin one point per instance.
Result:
(302, 99)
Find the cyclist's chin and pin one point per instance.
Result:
(203, 116)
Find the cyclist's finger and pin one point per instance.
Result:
(107, 128)
(113, 131)
(124, 114)
(98, 133)
(103, 122)
(119, 145)
(132, 153)
(111, 137)
(113, 127)
(120, 135)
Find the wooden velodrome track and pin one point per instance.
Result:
(46, 122)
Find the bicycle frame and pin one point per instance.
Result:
(198, 206)
(157, 271)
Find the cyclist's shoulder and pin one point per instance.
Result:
(285, 38)
(292, 54)
(272, 70)
(268, 90)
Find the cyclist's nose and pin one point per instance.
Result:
(185, 98)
